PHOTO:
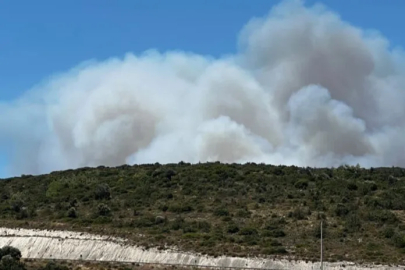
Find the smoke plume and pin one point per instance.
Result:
(305, 88)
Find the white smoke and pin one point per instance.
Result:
(305, 88)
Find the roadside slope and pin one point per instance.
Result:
(45, 244)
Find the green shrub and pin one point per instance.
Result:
(301, 184)
(353, 223)
(276, 233)
(299, 213)
(177, 224)
(341, 210)
(16, 204)
(248, 231)
(351, 186)
(232, 228)
(180, 208)
(382, 217)
(72, 213)
(102, 191)
(193, 236)
(220, 212)
(388, 232)
(103, 210)
(274, 250)
(243, 213)
(54, 266)
(399, 240)
(170, 173)
(54, 189)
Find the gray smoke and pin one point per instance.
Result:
(305, 88)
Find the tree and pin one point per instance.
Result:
(10, 259)
(8, 263)
(12, 251)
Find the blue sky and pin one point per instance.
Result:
(44, 37)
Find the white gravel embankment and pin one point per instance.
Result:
(43, 244)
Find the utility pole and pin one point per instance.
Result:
(321, 247)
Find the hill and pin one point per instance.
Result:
(219, 209)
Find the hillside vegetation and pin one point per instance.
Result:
(218, 209)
